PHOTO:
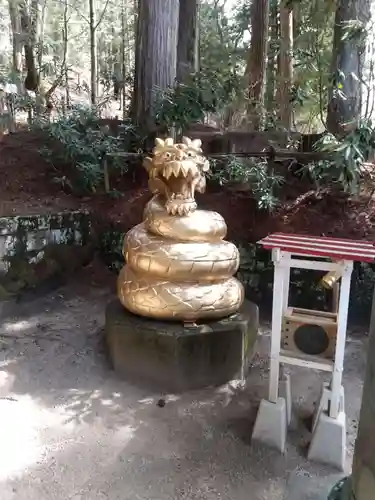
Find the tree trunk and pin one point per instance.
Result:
(156, 55)
(93, 51)
(273, 49)
(124, 39)
(17, 44)
(35, 18)
(65, 57)
(257, 61)
(43, 16)
(344, 106)
(286, 66)
(29, 36)
(187, 48)
(363, 475)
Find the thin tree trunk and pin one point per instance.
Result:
(344, 106)
(41, 34)
(187, 38)
(156, 53)
(65, 60)
(124, 31)
(272, 57)
(93, 52)
(286, 66)
(45, 97)
(257, 61)
(28, 35)
(35, 17)
(133, 111)
(17, 44)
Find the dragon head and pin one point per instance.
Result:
(176, 171)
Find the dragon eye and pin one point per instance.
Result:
(167, 155)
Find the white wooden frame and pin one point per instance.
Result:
(283, 262)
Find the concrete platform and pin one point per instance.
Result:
(171, 356)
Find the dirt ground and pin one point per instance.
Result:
(88, 435)
(28, 187)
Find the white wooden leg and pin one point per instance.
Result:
(277, 311)
(286, 284)
(342, 319)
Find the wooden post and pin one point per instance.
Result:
(363, 476)
(107, 186)
(361, 484)
(277, 312)
(341, 338)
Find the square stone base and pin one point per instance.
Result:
(271, 424)
(172, 357)
(328, 444)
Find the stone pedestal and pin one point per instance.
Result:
(271, 424)
(173, 357)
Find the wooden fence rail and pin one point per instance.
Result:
(271, 155)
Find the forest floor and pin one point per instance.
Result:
(89, 435)
(29, 186)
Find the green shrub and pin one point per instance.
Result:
(348, 156)
(248, 171)
(189, 102)
(83, 142)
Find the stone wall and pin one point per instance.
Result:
(35, 249)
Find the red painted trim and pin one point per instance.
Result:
(323, 238)
(314, 244)
(319, 253)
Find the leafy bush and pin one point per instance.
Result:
(189, 102)
(363, 280)
(84, 143)
(251, 172)
(348, 156)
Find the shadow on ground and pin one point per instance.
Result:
(71, 430)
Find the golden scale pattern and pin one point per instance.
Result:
(178, 265)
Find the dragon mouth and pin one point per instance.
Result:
(178, 178)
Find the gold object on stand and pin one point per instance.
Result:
(330, 279)
(178, 265)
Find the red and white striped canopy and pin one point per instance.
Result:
(321, 246)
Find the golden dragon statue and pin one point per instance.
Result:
(178, 265)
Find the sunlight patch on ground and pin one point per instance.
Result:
(18, 326)
(6, 381)
(84, 406)
(33, 437)
(20, 444)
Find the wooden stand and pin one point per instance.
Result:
(329, 435)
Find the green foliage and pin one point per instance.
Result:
(219, 81)
(312, 61)
(222, 36)
(251, 172)
(354, 30)
(110, 248)
(83, 142)
(189, 102)
(363, 281)
(349, 155)
(341, 490)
